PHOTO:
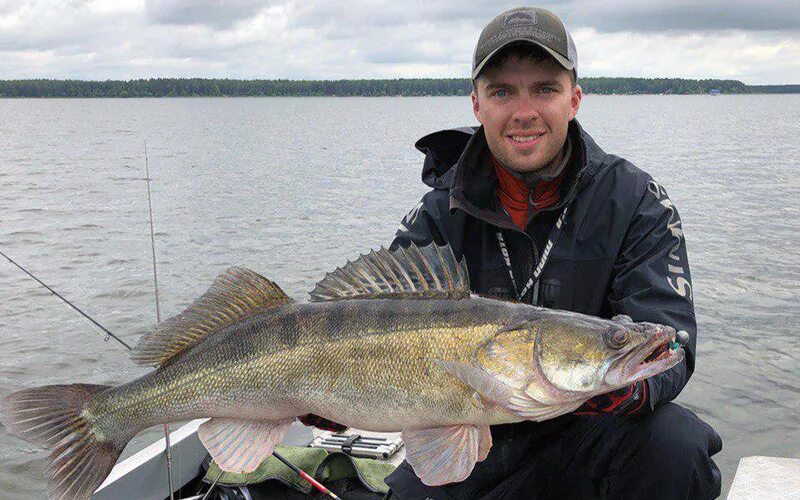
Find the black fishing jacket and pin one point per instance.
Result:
(619, 250)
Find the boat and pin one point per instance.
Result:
(144, 474)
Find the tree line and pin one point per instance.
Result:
(196, 87)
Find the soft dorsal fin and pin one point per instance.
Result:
(413, 272)
(235, 294)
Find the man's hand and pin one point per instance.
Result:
(312, 420)
(631, 400)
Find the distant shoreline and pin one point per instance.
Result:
(214, 87)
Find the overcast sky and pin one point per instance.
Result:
(757, 42)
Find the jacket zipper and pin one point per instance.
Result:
(535, 261)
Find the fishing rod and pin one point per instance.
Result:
(73, 306)
(300, 472)
(297, 470)
(124, 344)
(277, 455)
(167, 450)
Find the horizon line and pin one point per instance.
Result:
(367, 79)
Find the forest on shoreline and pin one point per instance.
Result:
(211, 87)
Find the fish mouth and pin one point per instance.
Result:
(658, 353)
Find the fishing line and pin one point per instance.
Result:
(73, 306)
(213, 484)
(167, 451)
(152, 233)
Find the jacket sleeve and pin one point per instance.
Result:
(429, 221)
(651, 282)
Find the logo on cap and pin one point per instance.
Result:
(520, 17)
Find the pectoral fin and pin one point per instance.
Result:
(241, 445)
(484, 443)
(444, 455)
(490, 389)
(494, 391)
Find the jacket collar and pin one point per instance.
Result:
(472, 182)
(442, 151)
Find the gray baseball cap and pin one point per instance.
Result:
(526, 24)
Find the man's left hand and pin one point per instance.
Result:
(631, 400)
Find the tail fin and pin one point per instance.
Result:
(53, 416)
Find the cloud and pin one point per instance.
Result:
(331, 15)
(607, 16)
(729, 55)
(47, 26)
(7, 6)
(334, 39)
(218, 14)
(645, 16)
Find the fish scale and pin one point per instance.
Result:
(310, 359)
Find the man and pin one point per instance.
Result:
(543, 215)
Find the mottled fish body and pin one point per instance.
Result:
(392, 342)
(366, 363)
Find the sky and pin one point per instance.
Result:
(757, 42)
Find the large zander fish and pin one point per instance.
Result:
(391, 342)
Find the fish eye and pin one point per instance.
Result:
(616, 338)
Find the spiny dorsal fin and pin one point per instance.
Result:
(413, 272)
(234, 295)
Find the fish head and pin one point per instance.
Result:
(581, 356)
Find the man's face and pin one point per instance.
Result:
(525, 107)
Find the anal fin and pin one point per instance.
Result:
(444, 455)
(239, 445)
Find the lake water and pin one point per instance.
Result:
(292, 187)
